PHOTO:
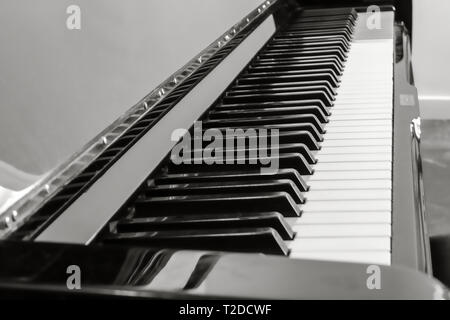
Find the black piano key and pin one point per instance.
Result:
(178, 205)
(310, 44)
(261, 96)
(288, 160)
(348, 27)
(278, 120)
(320, 24)
(269, 111)
(238, 90)
(315, 37)
(254, 72)
(263, 240)
(327, 63)
(278, 96)
(332, 76)
(206, 221)
(335, 50)
(251, 79)
(323, 85)
(337, 17)
(290, 42)
(322, 20)
(279, 41)
(248, 150)
(224, 188)
(288, 174)
(299, 59)
(300, 148)
(288, 136)
(285, 91)
(288, 133)
(321, 33)
(328, 12)
(300, 47)
(296, 66)
(278, 104)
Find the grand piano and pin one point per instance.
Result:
(281, 162)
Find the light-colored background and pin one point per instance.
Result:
(431, 57)
(59, 88)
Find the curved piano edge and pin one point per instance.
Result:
(46, 269)
(409, 241)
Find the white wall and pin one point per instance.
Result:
(431, 56)
(60, 88)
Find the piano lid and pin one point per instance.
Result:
(60, 87)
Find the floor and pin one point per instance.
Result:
(435, 150)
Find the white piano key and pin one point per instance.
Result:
(370, 97)
(348, 84)
(374, 106)
(348, 212)
(339, 244)
(347, 205)
(370, 91)
(362, 135)
(356, 142)
(349, 184)
(352, 194)
(350, 175)
(365, 217)
(356, 107)
(341, 230)
(357, 129)
(380, 99)
(358, 123)
(361, 66)
(374, 116)
(355, 150)
(367, 94)
(352, 166)
(383, 101)
(342, 114)
(369, 257)
(362, 70)
(355, 157)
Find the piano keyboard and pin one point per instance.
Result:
(347, 216)
(328, 89)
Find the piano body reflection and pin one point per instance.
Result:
(336, 83)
